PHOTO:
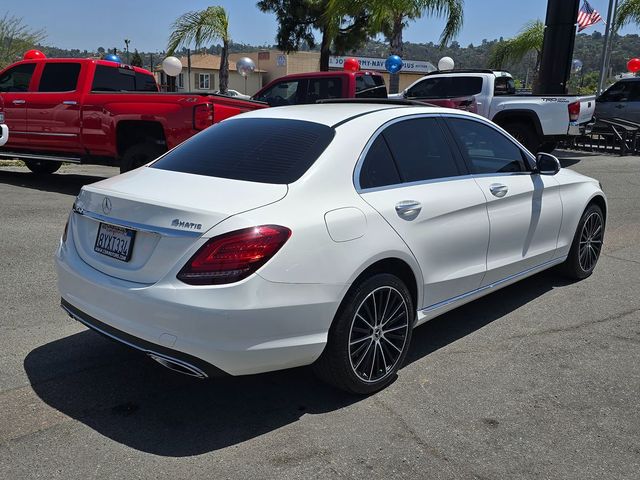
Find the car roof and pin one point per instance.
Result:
(332, 114)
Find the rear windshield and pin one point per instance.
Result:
(370, 86)
(113, 79)
(264, 150)
(446, 87)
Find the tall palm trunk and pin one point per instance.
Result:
(325, 50)
(395, 43)
(224, 67)
(535, 86)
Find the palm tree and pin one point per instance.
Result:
(529, 39)
(200, 27)
(628, 12)
(391, 17)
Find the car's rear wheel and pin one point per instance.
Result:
(139, 155)
(587, 244)
(42, 167)
(370, 336)
(525, 134)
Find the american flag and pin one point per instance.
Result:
(587, 16)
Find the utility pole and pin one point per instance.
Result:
(126, 44)
(557, 48)
(608, 41)
(188, 69)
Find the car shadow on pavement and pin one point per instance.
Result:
(125, 396)
(68, 184)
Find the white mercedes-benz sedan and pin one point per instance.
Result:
(319, 234)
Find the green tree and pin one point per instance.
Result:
(200, 27)
(513, 50)
(16, 38)
(628, 12)
(297, 20)
(390, 17)
(136, 59)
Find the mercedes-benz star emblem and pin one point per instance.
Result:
(106, 205)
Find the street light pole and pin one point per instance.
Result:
(605, 46)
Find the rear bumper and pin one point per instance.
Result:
(576, 129)
(4, 134)
(249, 327)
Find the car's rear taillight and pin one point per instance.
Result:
(233, 256)
(574, 111)
(202, 116)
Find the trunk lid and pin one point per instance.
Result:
(168, 211)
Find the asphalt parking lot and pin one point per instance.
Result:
(540, 380)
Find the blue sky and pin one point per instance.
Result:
(91, 24)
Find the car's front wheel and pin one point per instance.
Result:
(370, 336)
(587, 244)
(43, 167)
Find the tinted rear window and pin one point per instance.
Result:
(113, 79)
(263, 150)
(370, 86)
(59, 77)
(446, 87)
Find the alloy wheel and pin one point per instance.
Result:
(590, 242)
(379, 331)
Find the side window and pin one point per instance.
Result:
(446, 87)
(634, 96)
(17, 79)
(319, 88)
(420, 150)
(488, 150)
(59, 77)
(618, 92)
(282, 93)
(370, 86)
(504, 86)
(378, 168)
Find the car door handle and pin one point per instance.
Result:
(69, 102)
(19, 102)
(408, 209)
(498, 190)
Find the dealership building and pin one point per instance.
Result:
(272, 64)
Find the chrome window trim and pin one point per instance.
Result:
(141, 227)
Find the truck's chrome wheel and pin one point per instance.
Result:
(379, 331)
(590, 241)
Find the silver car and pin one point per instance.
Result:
(620, 100)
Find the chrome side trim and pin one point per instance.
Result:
(141, 227)
(47, 134)
(32, 156)
(158, 357)
(499, 283)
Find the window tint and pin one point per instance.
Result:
(59, 77)
(420, 150)
(488, 150)
(277, 150)
(282, 93)
(622, 92)
(378, 168)
(370, 86)
(319, 88)
(446, 87)
(114, 79)
(504, 86)
(17, 79)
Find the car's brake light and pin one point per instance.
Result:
(233, 256)
(574, 111)
(202, 116)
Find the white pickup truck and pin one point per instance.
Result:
(537, 121)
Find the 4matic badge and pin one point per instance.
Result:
(190, 225)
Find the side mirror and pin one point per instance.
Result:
(547, 164)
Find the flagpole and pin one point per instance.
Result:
(605, 47)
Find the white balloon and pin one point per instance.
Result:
(446, 63)
(172, 66)
(245, 66)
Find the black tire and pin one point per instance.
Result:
(525, 134)
(586, 246)
(42, 167)
(139, 155)
(349, 344)
(547, 147)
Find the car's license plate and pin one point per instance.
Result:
(115, 242)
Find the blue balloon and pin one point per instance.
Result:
(111, 57)
(393, 64)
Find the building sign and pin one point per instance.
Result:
(263, 55)
(369, 63)
(281, 61)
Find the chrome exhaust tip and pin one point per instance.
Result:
(178, 366)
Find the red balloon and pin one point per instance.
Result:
(351, 64)
(33, 55)
(634, 65)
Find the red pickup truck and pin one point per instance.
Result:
(99, 112)
(299, 88)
